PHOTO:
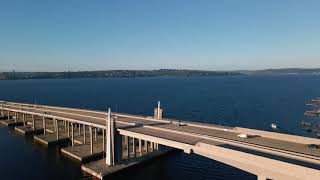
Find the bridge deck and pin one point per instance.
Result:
(256, 140)
(188, 133)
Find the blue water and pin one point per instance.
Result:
(246, 101)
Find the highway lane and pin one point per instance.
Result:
(267, 142)
(83, 112)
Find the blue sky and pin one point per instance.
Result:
(61, 35)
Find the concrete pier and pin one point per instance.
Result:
(11, 121)
(57, 135)
(87, 151)
(51, 139)
(83, 153)
(28, 130)
(99, 169)
(3, 117)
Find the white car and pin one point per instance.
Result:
(242, 135)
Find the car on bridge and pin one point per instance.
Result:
(313, 146)
(244, 136)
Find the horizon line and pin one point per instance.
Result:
(182, 69)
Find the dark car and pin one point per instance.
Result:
(314, 146)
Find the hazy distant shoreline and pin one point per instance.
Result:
(113, 73)
(147, 73)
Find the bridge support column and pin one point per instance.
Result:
(84, 134)
(125, 140)
(152, 146)
(72, 134)
(54, 125)
(146, 146)
(2, 113)
(68, 129)
(91, 139)
(128, 146)
(57, 129)
(134, 148)
(140, 147)
(24, 119)
(117, 147)
(95, 134)
(15, 117)
(65, 125)
(33, 122)
(8, 115)
(44, 125)
(79, 129)
(103, 140)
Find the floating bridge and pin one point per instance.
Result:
(107, 142)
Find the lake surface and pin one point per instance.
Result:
(246, 101)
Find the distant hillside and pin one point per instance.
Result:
(112, 73)
(284, 71)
